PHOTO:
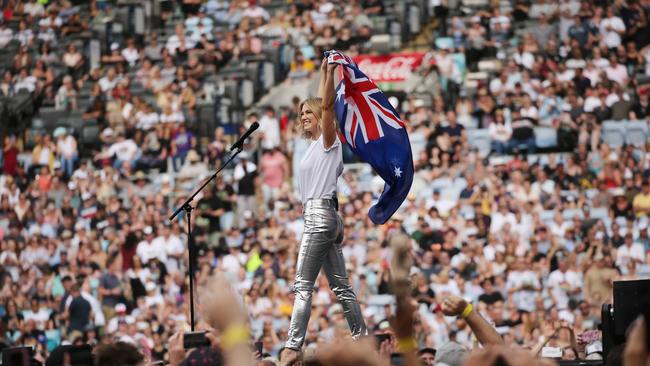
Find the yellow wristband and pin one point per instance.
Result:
(407, 344)
(467, 311)
(234, 335)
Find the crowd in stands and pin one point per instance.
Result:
(533, 241)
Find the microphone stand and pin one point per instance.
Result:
(187, 207)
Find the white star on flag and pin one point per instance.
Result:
(398, 172)
(341, 92)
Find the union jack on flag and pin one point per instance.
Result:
(374, 131)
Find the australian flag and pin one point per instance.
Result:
(374, 131)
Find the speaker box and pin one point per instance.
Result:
(79, 356)
(630, 299)
(16, 356)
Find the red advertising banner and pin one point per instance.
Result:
(389, 68)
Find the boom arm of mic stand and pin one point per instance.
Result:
(190, 198)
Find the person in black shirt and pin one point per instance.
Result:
(523, 133)
(581, 82)
(491, 295)
(422, 292)
(78, 311)
(210, 208)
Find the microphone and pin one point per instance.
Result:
(240, 143)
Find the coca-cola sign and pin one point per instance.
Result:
(389, 68)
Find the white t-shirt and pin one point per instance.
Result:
(67, 146)
(271, 129)
(624, 254)
(523, 299)
(131, 55)
(147, 251)
(146, 121)
(106, 84)
(40, 318)
(612, 38)
(320, 169)
(617, 73)
(6, 35)
(124, 150)
(34, 9)
(556, 279)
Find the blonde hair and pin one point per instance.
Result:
(314, 104)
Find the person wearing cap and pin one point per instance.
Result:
(66, 146)
(320, 245)
(78, 310)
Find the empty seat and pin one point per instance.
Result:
(545, 137)
(90, 135)
(570, 213)
(613, 133)
(636, 133)
(480, 139)
(52, 118)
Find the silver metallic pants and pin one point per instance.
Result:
(321, 247)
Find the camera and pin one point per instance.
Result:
(195, 340)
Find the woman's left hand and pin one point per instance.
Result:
(331, 67)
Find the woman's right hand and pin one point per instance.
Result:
(323, 66)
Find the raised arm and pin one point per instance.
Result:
(322, 78)
(484, 332)
(327, 105)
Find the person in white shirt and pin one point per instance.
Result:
(270, 128)
(256, 11)
(25, 81)
(500, 132)
(563, 284)
(320, 246)
(502, 217)
(125, 151)
(616, 72)
(179, 42)
(108, 82)
(6, 34)
(232, 262)
(34, 8)
(148, 249)
(612, 28)
(130, 53)
(523, 284)
(630, 251)
(38, 314)
(173, 246)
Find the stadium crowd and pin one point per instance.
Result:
(533, 241)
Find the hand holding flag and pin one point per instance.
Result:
(374, 131)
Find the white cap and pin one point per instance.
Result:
(150, 286)
(108, 132)
(115, 46)
(148, 230)
(120, 308)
